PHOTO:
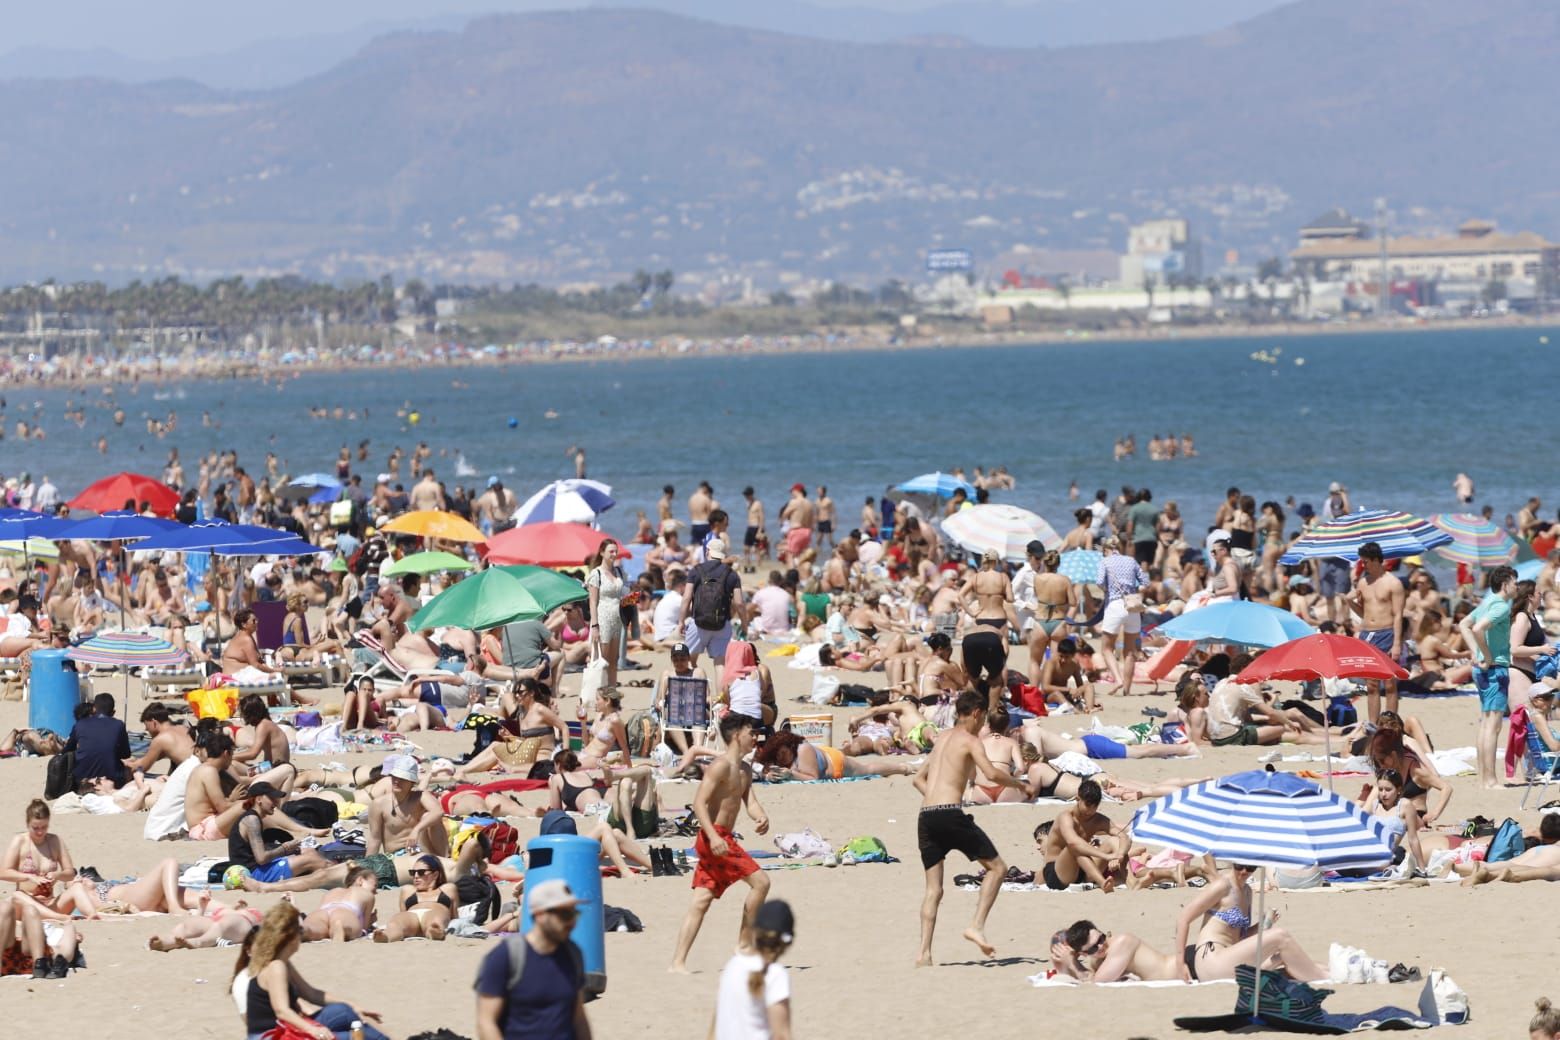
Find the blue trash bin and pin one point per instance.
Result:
(575, 860)
(52, 693)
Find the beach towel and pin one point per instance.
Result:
(806, 658)
(1516, 739)
(165, 819)
(1055, 978)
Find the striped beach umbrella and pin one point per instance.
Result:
(1081, 566)
(1398, 534)
(1007, 529)
(127, 650)
(566, 501)
(1475, 541)
(1267, 819)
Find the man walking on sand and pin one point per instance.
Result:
(1487, 632)
(727, 787)
(1379, 597)
(800, 514)
(943, 826)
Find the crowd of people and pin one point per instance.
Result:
(952, 666)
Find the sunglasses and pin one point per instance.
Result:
(564, 913)
(1097, 945)
(418, 872)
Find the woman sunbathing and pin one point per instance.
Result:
(345, 913)
(426, 905)
(540, 730)
(1227, 936)
(786, 756)
(212, 924)
(1387, 751)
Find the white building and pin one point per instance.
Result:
(1160, 250)
(1336, 248)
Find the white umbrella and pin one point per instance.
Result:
(1004, 528)
(573, 501)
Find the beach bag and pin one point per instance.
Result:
(592, 679)
(1282, 997)
(824, 687)
(219, 704)
(711, 602)
(617, 919)
(480, 895)
(1507, 843)
(60, 776)
(644, 732)
(1030, 698)
(1133, 601)
(804, 844)
(866, 849)
(1451, 1003)
(503, 842)
(287, 1032)
(1341, 712)
(1547, 667)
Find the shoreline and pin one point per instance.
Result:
(873, 339)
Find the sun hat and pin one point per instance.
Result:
(402, 767)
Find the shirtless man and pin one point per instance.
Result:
(1090, 955)
(267, 755)
(1062, 678)
(985, 643)
(397, 610)
(406, 818)
(170, 740)
(700, 504)
(727, 787)
(825, 516)
(943, 826)
(1378, 597)
(755, 525)
(495, 505)
(1084, 842)
(801, 515)
(426, 493)
(1462, 487)
(213, 800)
(243, 651)
(663, 507)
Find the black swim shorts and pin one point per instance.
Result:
(1052, 881)
(942, 829)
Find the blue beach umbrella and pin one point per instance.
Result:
(941, 484)
(214, 534)
(1081, 566)
(566, 501)
(113, 527)
(1237, 621)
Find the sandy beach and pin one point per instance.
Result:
(857, 927)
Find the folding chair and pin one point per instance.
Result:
(1540, 761)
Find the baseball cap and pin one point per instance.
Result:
(402, 767)
(553, 894)
(383, 478)
(990, 556)
(1306, 510)
(1334, 488)
(264, 790)
(1297, 580)
(1218, 535)
(680, 649)
(775, 916)
(715, 550)
(799, 486)
(492, 481)
(556, 821)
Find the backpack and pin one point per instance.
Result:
(503, 842)
(864, 850)
(517, 946)
(1506, 844)
(478, 890)
(711, 601)
(61, 775)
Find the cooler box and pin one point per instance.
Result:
(577, 861)
(53, 691)
(815, 729)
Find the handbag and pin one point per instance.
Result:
(1133, 601)
(284, 1031)
(592, 679)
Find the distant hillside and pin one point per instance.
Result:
(571, 145)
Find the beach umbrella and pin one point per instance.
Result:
(1237, 621)
(1081, 566)
(113, 527)
(1527, 570)
(1322, 656)
(1267, 820)
(496, 596)
(1004, 528)
(435, 523)
(211, 534)
(127, 650)
(1398, 534)
(941, 484)
(427, 563)
(313, 487)
(114, 491)
(568, 501)
(1476, 541)
(548, 545)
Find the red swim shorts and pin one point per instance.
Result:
(797, 539)
(718, 873)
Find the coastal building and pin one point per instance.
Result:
(1337, 248)
(1160, 251)
(1160, 302)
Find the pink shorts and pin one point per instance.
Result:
(206, 830)
(797, 539)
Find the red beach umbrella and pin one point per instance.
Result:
(1322, 656)
(113, 492)
(548, 545)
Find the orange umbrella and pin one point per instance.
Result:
(435, 523)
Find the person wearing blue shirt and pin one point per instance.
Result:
(101, 744)
(546, 997)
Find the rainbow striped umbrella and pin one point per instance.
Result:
(1004, 528)
(127, 650)
(1475, 541)
(1398, 534)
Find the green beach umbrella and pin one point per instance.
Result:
(498, 596)
(428, 563)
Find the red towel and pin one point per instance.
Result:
(1516, 741)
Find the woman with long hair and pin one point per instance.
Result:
(754, 1000)
(425, 906)
(605, 586)
(275, 992)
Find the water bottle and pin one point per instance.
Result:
(357, 1030)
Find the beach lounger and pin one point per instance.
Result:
(325, 669)
(1542, 763)
(384, 665)
(173, 680)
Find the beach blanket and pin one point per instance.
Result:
(500, 786)
(1051, 978)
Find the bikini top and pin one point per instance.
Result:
(443, 901)
(1235, 917)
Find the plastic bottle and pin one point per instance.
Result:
(357, 1030)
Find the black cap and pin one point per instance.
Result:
(775, 916)
(1035, 548)
(264, 790)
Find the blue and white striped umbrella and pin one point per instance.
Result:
(566, 501)
(941, 484)
(1266, 819)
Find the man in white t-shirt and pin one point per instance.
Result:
(773, 604)
(1100, 511)
(666, 624)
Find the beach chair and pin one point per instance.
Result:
(1541, 762)
(172, 680)
(323, 670)
(272, 618)
(385, 666)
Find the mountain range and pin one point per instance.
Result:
(574, 145)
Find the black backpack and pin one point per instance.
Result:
(61, 775)
(711, 600)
